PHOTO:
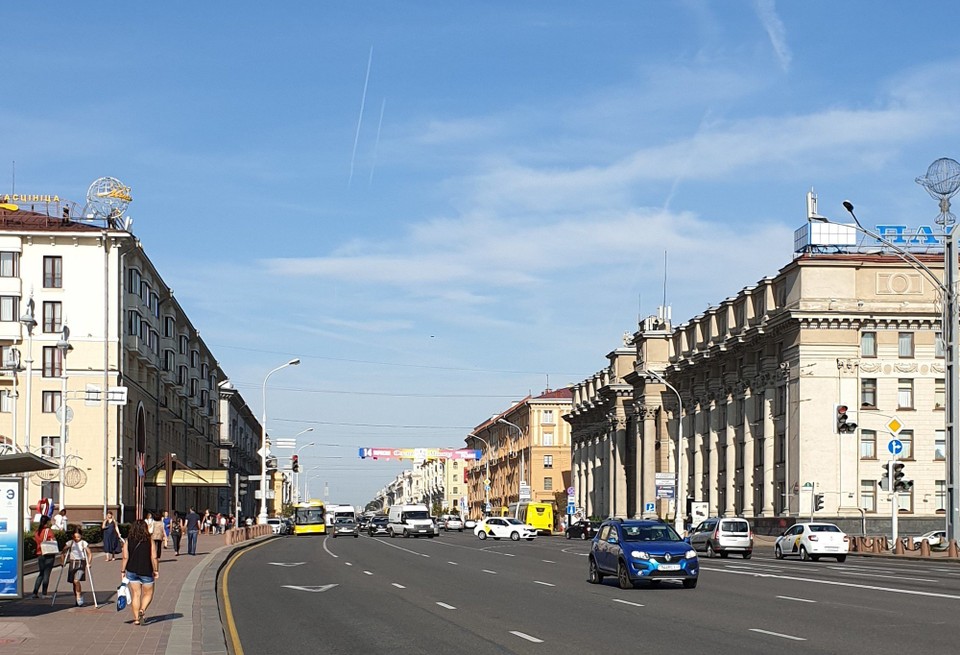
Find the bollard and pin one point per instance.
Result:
(924, 548)
(952, 549)
(898, 547)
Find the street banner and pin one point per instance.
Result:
(11, 537)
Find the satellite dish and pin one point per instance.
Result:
(107, 199)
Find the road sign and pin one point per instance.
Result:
(486, 483)
(486, 487)
(571, 491)
(895, 446)
(895, 425)
(524, 491)
(666, 491)
(571, 508)
(60, 414)
(488, 507)
(263, 452)
(649, 507)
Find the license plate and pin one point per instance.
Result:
(669, 567)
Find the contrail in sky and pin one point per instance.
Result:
(376, 145)
(363, 101)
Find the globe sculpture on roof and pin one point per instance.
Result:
(942, 182)
(107, 199)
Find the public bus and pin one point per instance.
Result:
(309, 518)
(537, 515)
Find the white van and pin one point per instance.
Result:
(410, 520)
(334, 511)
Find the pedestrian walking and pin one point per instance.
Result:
(77, 554)
(141, 568)
(60, 520)
(166, 529)
(157, 535)
(45, 561)
(111, 537)
(192, 523)
(176, 532)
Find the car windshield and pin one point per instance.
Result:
(649, 533)
(824, 528)
(343, 519)
(416, 515)
(513, 521)
(380, 520)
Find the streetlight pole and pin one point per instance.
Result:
(523, 473)
(262, 516)
(679, 491)
(28, 321)
(486, 480)
(63, 346)
(296, 474)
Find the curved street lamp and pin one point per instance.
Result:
(679, 492)
(486, 461)
(523, 473)
(262, 516)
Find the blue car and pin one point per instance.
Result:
(642, 550)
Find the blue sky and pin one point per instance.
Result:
(497, 215)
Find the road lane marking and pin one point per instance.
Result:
(545, 584)
(527, 637)
(328, 550)
(227, 607)
(315, 589)
(908, 592)
(489, 571)
(398, 586)
(348, 563)
(445, 606)
(367, 573)
(799, 600)
(547, 561)
(879, 575)
(626, 602)
(454, 563)
(286, 563)
(406, 550)
(508, 554)
(777, 634)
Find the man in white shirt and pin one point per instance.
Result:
(60, 520)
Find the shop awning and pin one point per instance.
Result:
(191, 478)
(24, 463)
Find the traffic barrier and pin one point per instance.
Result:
(245, 533)
(924, 548)
(898, 547)
(952, 550)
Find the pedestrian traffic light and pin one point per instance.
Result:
(295, 464)
(818, 502)
(885, 480)
(843, 424)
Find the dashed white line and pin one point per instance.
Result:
(799, 600)
(445, 606)
(627, 602)
(454, 563)
(367, 573)
(398, 586)
(348, 563)
(328, 550)
(545, 584)
(489, 571)
(508, 554)
(527, 637)
(777, 634)
(547, 561)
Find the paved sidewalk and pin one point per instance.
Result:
(184, 616)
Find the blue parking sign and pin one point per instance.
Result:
(571, 508)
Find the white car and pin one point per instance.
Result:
(275, 523)
(453, 523)
(507, 527)
(811, 541)
(936, 538)
(469, 524)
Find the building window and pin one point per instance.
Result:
(184, 343)
(906, 344)
(868, 344)
(868, 495)
(868, 392)
(52, 362)
(50, 489)
(6, 401)
(9, 264)
(168, 327)
(133, 281)
(182, 375)
(456, 490)
(939, 445)
(548, 417)
(906, 437)
(868, 444)
(548, 461)
(52, 272)
(938, 345)
(548, 439)
(50, 445)
(155, 304)
(133, 323)
(905, 393)
(52, 317)
(195, 359)
(939, 395)
(548, 484)
(169, 360)
(9, 308)
(51, 401)
(905, 502)
(940, 496)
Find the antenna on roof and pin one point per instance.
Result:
(664, 278)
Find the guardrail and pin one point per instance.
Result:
(881, 545)
(239, 535)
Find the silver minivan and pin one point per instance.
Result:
(722, 536)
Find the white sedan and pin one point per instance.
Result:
(811, 541)
(936, 538)
(497, 527)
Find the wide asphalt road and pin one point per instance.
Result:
(455, 593)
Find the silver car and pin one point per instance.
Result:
(722, 536)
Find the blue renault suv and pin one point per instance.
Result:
(642, 550)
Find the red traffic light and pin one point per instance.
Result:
(841, 409)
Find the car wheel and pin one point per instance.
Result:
(514, 536)
(804, 555)
(529, 538)
(724, 555)
(595, 576)
(392, 534)
(568, 534)
(482, 535)
(406, 535)
(690, 583)
(460, 530)
(747, 555)
(841, 558)
(623, 577)
(334, 535)
(777, 552)
(583, 535)
(356, 536)
(710, 552)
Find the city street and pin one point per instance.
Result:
(382, 595)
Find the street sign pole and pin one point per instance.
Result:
(894, 502)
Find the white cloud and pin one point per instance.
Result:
(767, 12)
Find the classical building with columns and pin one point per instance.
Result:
(760, 377)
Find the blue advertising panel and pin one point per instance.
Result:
(11, 538)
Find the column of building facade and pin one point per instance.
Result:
(635, 432)
(749, 416)
(588, 475)
(621, 472)
(713, 476)
(696, 445)
(730, 437)
(648, 458)
(769, 439)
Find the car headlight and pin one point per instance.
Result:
(639, 554)
(690, 554)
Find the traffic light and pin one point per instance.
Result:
(271, 463)
(899, 484)
(242, 486)
(295, 463)
(885, 480)
(843, 424)
(818, 502)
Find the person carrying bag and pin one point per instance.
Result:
(47, 549)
